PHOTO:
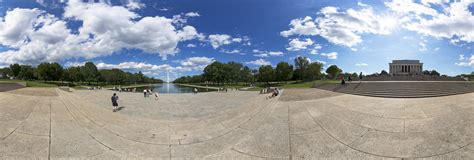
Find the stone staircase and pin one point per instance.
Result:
(401, 89)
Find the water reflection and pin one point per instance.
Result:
(171, 88)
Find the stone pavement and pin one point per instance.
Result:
(234, 125)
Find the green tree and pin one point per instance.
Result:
(214, 72)
(301, 65)
(49, 71)
(426, 72)
(232, 71)
(4, 72)
(74, 74)
(314, 70)
(333, 71)
(90, 72)
(266, 74)
(246, 75)
(26, 72)
(15, 69)
(383, 72)
(434, 73)
(283, 71)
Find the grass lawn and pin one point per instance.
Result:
(306, 84)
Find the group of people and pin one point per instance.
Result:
(273, 92)
(349, 79)
(148, 92)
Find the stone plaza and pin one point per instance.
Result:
(39, 123)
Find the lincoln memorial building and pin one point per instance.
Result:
(405, 67)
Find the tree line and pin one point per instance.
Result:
(84, 74)
(234, 72)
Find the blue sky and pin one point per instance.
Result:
(183, 36)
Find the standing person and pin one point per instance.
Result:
(360, 76)
(195, 90)
(156, 95)
(114, 99)
(144, 93)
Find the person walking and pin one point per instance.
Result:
(144, 93)
(360, 76)
(114, 99)
(156, 95)
(195, 90)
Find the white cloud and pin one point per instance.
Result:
(259, 62)
(297, 44)
(192, 14)
(343, 28)
(261, 55)
(197, 63)
(218, 40)
(422, 46)
(465, 61)
(266, 53)
(234, 51)
(275, 53)
(408, 6)
(257, 51)
(455, 22)
(191, 45)
(301, 26)
(315, 49)
(116, 28)
(319, 61)
(332, 55)
(362, 4)
(361, 64)
(134, 4)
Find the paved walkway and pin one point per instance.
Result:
(334, 126)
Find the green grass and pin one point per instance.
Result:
(39, 84)
(79, 88)
(306, 84)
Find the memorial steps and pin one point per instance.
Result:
(401, 89)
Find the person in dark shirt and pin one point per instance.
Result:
(114, 99)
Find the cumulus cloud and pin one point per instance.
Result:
(465, 61)
(275, 53)
(261, 55)
(234, 51)
(302, 26)
(361, 64)
(35, 36)
(191, 45)
(259, 62)
(297, 44)
(267, 53)
(332, 55)
(218, 40)
(192, 14)
(196, 63)
(315, 50)
(455, 21)
(342, 27)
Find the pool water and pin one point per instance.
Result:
(172, 88)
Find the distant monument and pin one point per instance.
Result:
(405, 67)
